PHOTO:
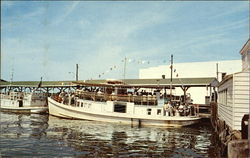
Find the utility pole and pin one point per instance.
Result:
(124, 71)
(171, 77)
(76, 72)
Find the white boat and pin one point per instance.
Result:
(21, 102)
(117, 104)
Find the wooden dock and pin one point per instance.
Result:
(204, 110)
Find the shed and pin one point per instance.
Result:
(233, 100)
(234, 92)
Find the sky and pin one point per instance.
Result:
(47, 39)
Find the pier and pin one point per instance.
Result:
(46, 86)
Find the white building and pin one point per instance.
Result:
(193, 70)
(234, 91)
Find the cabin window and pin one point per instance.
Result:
(119, 107)
(20, 103)
(149, 111)
(158, 111)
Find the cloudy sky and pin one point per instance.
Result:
(48, 38)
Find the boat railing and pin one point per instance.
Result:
(3, 96)
(137, 99)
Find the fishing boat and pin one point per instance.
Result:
(120, 103)
(24, 102)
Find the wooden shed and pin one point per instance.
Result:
(234, 92)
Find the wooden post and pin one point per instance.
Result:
(184, 90)
(238, 148)
(210, 94)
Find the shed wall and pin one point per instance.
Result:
(241, 97)
(225, 102)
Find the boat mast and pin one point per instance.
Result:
(76, 72)
(124, 71)
(12, 75)
(171, 77)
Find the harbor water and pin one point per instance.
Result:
(34, 135)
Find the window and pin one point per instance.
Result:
(120, 107)
(149, 111)
(81, 104)
(158, 111)
(223, 97)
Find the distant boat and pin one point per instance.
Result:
(118, 103)
(22, 102)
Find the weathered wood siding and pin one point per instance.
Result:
(225, 102)
(241, 97)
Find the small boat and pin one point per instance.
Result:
(22, 102)
(119, 103)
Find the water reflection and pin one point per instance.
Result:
(23, 125)
(48, 136)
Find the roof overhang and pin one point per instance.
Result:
(155, 83)
(136, 83)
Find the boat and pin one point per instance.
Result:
(24, 102)
(120, 103)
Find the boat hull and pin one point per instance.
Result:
(69, 112)
(33, 110)
(19, 102)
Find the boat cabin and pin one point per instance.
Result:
(120, 98)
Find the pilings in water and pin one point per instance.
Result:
(239, 148)
(231, 142)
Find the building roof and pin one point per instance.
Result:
(245, 47)
(176, 82)
(226, 78)
(36, 83)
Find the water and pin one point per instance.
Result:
(47, 136)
